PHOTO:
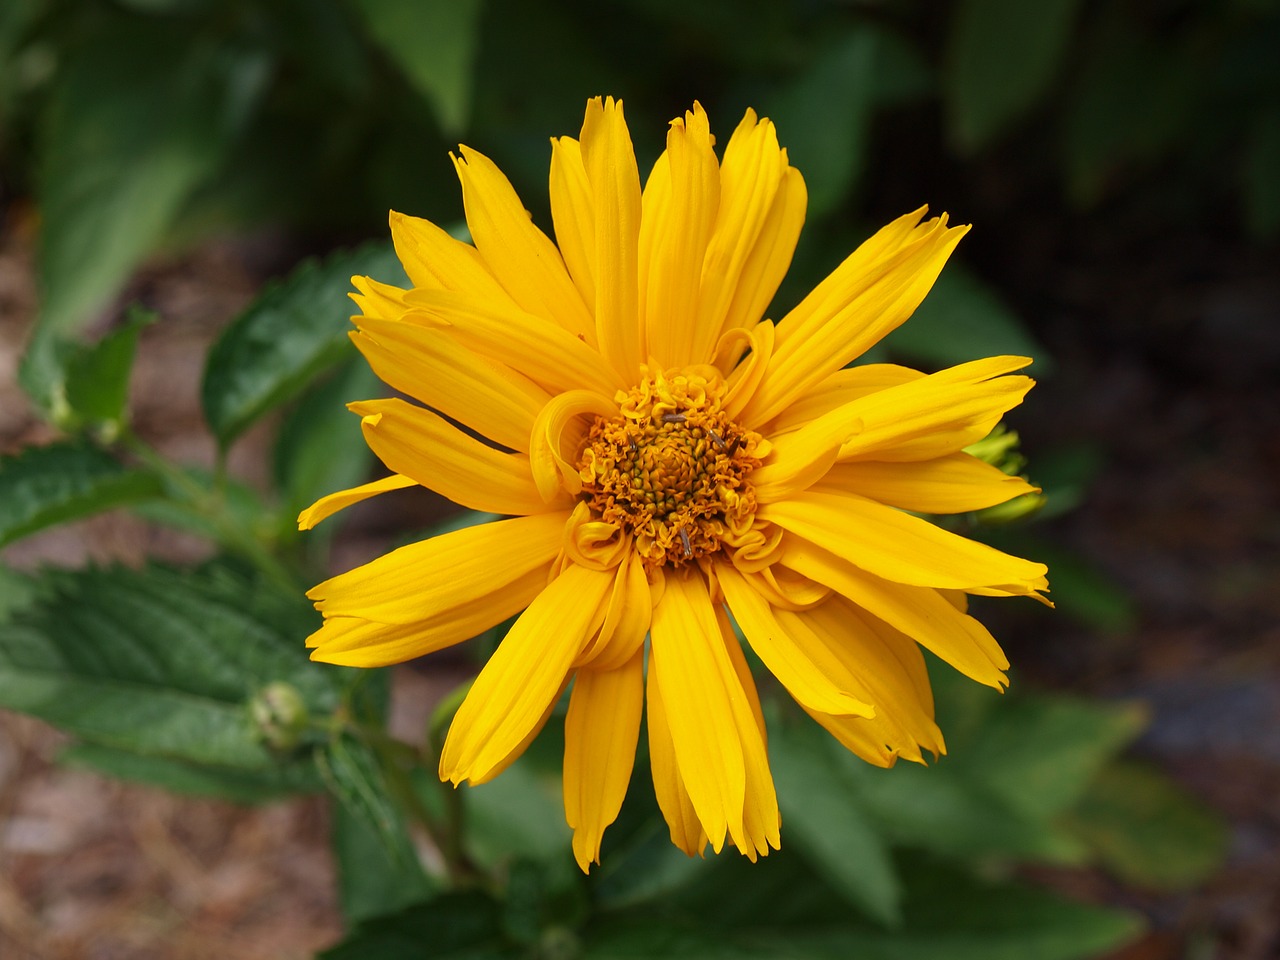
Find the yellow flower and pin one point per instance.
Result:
(668, 458)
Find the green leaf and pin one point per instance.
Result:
(1147, 831)
(823, 116)
(226, 783)
(17, 590)
(434, 42)
(320, 448)
(824, 821)
(1261, 179)
(160, 662)
(454, 926)
(371, 883)
(291, 333)
(1001, 57)
(960, 320)
(521, 813)
(43, 486)
(353, 772)
(97, 386)
(138, 118)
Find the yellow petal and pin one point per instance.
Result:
(610, 163)
(812, 682)
(843, 386)
(526, 263)
(600, 735)
(895, 545)
(626, 621)
(423, 579)
(866, 297)
(418, 444)
(673, 798)
(557, 439)
(523, 676)
(955, 483)
(327, 506)
(548, 355)
(377, 299)
(697, 679)
(573, 215)
(356, 642)
(436, 261)
(431, 366)
(675, 263)
(919, 612)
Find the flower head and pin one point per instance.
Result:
(668, 458)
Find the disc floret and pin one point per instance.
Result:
(671, 468)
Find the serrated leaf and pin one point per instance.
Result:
(137, 119)
(370, 882)
(226, 783)
(434, 42)
(824, 115)
(158, 661)
(97, 387)
(320, 448)
(295, 330)
(1146, 830)
(962, 319)
(354, 774)
(1001, 57)
(454, 926)
(825, 822)
(44, 486)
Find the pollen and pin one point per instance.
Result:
(671, 469)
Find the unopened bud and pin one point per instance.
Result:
(279, 715)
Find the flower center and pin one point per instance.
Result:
(671, 469)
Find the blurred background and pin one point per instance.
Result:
(1120, 163)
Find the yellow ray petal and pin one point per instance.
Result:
(422, 579)
(955, 483)
(433, 368)
(843, 386)
(548, 355)
(418, 444)
(919, 612)
(523, 676)
(865, 298)
(436, 261)
(696, 678)
(895, 545)
(675, 263)
(526, 263)
(673, 799)
(810, 681)
(356, 642)
(557, 438)
(573, 215)
(600, 735)
(377, 299)
(328, 505)
(626, 621)
(610, 163)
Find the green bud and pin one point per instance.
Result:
(279, 716)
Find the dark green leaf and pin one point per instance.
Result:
(226, 783)
(43, 486)
(17, 590)
(291, 333)
(434, 43)
(98, 376)
(823, 118)
(320, 448)
(825, 822)
(138, 118)
(353, 772)
(371, 883)
(519, 814)
(1146, 830)
(160, 662)
(960, 320)
(455, 926)
(1001, 57)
